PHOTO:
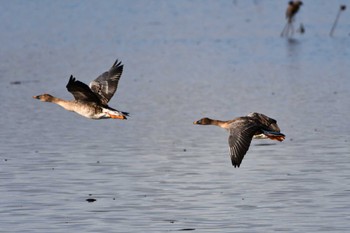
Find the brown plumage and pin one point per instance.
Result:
(243, 129)
(292, 9)
(91, 102)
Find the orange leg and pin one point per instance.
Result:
(121, 117)
(278, 138)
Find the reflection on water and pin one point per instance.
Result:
(293, 45)
(156, 172)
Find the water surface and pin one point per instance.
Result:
(157, 172)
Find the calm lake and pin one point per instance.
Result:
(183, 60)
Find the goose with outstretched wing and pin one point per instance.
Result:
(92, 101)
(243, 129)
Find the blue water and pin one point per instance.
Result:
(157, 172)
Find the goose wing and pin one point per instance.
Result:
(81, 91)
(241, 135)
(105, 85)
(267, 122)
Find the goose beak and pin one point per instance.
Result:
(36, 97)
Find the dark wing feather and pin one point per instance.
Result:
(105, 85)
(267, 122)
(81, 91)
(241, 134)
